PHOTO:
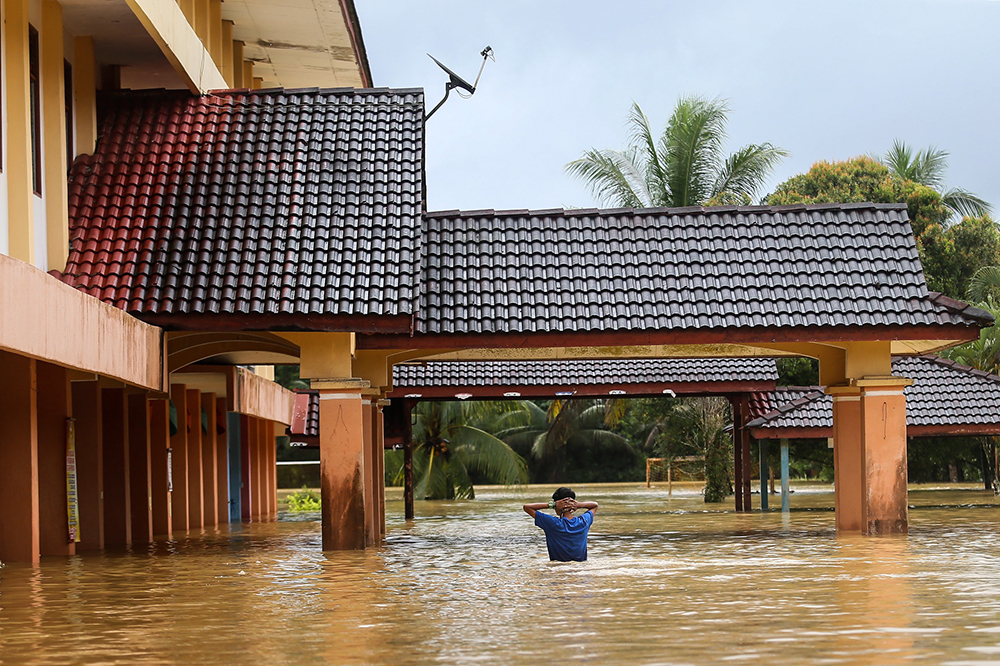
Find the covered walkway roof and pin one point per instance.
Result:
(946, 398)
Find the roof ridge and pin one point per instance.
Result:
(660, 210)
(960, 307)
(955, 365)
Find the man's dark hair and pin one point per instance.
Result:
(562, 493)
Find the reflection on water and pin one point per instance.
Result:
(668, 582)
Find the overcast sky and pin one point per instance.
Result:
(824, 80)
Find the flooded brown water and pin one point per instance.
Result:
(668, 582)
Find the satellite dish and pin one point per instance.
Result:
(456, 81)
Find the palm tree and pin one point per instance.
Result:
(984, 353)
(686, 166)
(927, 167)
(703, 423)
(984, 285)
(566, 425)
(452, 440)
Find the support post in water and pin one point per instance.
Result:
(784, 476)
(408, 460)
(763, 474)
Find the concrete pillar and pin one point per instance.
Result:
(53, 410)
(248, 441)
(342, 471)
(159, 443)
(117, 509)
(883, 412)
(380, 464)
(196, 493)
(271, 490)
(221, 461)
(179, 461)
(367, 430)
(737, 454)
(140, 475)
(17, 165)
(209, 470)
(85, 95)
(89, 463)
(257, 457)
(54, 128)
(869, 425)
(234, 435)
(19, 535)
(848, 460)
(746, 456)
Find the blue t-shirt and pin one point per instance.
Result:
(566, 539)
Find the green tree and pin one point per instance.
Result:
(453, 440)
(703, 423)
(928, 167)
(569, 432)
(949, 254)
(685, 166)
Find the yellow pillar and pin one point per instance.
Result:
(238, 64)
(227, 52)
(85, 95)
(20, 191)
(215, 31)
(54, 133)
(201, 19)
(247, 74)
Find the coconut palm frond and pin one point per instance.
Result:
(642, 140)
(983, 283)
(432, 481)
(692, 147)
(458, 476)
(603, 172)
(597, 437)
(541, 447)
(614, 411)
(965, 203)
(482, 452)
(745, 171)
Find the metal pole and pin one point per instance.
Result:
(407, 461)
(670, 479)
(763, 475)
(737, 456)
(647, 472)
(784, 476)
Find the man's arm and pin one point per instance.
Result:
(530, 509)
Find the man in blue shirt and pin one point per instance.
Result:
(565, 536)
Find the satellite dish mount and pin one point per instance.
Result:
(456, 81)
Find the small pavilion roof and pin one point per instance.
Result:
(303, 206)
(946, 398)
(486, 379)
(696, 269)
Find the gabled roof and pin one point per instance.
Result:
(946, 398)
(623, 270)
(301, 205)
(584, 377)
